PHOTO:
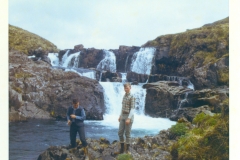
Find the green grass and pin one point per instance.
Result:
(124, 157)
(26, 42)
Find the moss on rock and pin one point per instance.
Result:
(208, 140)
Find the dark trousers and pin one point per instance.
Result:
(74, 129)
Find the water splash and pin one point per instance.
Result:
(142, 61)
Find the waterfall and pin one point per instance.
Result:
(142, 61)
(64, 57)
(100, 79)
(180, 80)
(126, 64)
(108, 63)
(70, 64)
(124, 77)
(54, 59)
(67, 61)
(185, 100)
(190, 85)
(113, 94)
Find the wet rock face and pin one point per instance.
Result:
(162, 97)
(147, 148)
(39, 91)
(169, 99)
(107, 76)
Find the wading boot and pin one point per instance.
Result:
(85, 149)
(127, 149)
(121, 150)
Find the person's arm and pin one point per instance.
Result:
(131, 113)
(83, 115)
(68, 115)
(132, 107)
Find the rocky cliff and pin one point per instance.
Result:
(199, 56)
(202, 54)
(36, 90)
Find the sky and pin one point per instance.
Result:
(107, 24)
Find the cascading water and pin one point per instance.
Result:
(124, 77)
(180, 80)
(108, 63)
(54, 59)
(64, 57)
(70, 63)
(142, 61)
(113, 94)
(126, 64)
(66, 63)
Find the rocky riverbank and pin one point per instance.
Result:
(146, 148)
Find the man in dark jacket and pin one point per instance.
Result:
(75, 119)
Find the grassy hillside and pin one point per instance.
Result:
(203, 40)
(26, 42)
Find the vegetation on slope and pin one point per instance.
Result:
(26, 42)
(209, 139)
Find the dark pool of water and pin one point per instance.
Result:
(29, 139)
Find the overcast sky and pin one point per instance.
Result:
(106, 24)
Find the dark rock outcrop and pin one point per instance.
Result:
(135, 77)
(190, 113)
(107, 76)
(162, 97)
(37, 90)
(169, 99)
